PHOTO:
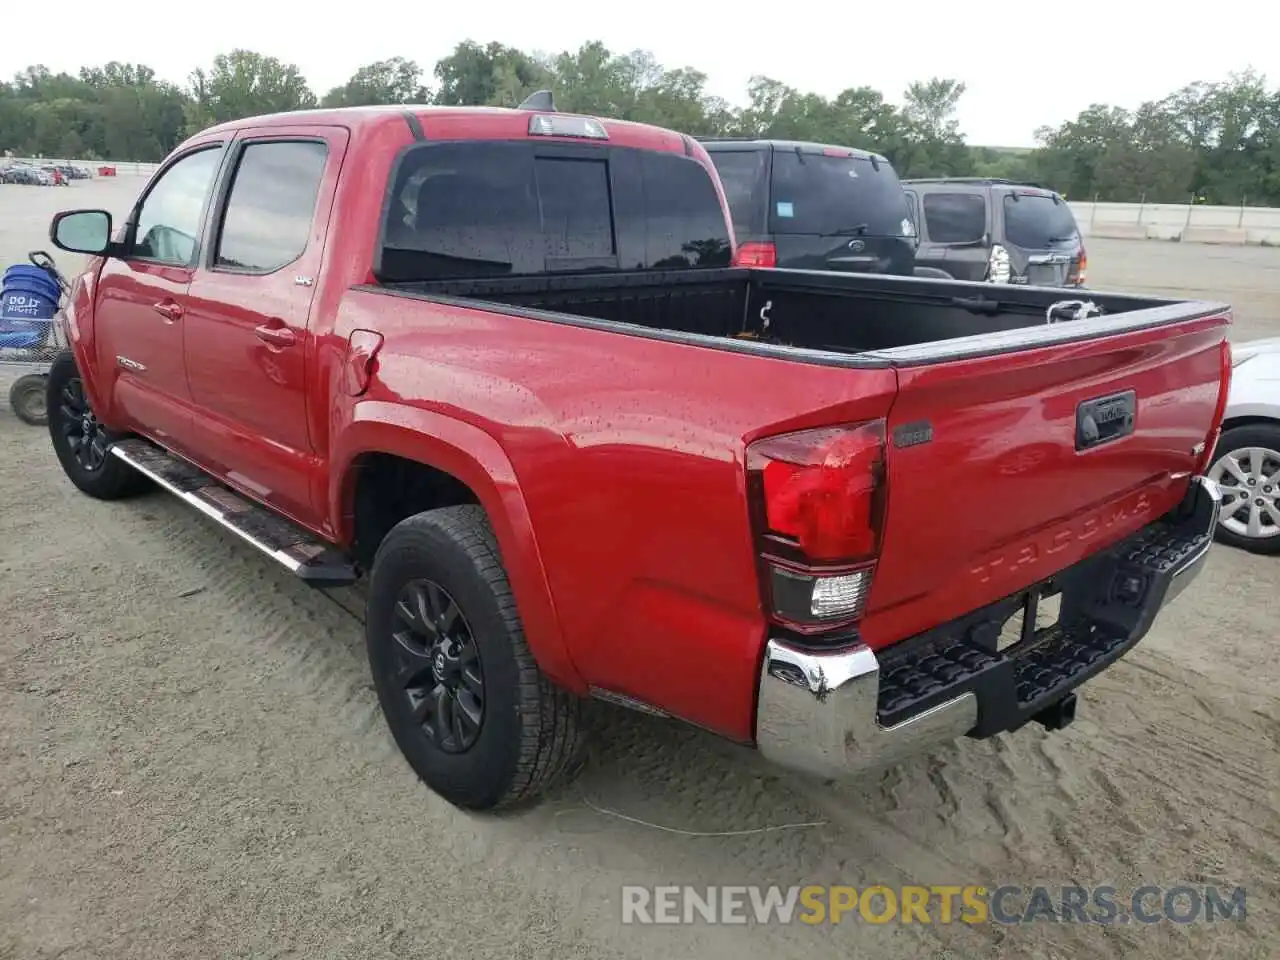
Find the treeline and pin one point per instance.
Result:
(1218, 143)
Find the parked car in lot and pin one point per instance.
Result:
(814, 206)
(26, 174)
(497, 361)
(1246, 463)
(997, 231)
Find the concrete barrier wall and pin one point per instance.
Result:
(1197, 223)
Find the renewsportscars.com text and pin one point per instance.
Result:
(942, 904)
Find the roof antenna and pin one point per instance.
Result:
(539, 100)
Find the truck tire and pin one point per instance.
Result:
(1254, 492)
(80, 442)
(466, 703)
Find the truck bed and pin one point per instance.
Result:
(852, 319)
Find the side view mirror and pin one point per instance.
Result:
(82, 231)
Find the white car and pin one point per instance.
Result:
(1246, 462)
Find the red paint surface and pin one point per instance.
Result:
(612, 466)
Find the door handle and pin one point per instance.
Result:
(276, 336)
(169, 310)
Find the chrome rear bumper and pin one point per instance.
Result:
(822, 712)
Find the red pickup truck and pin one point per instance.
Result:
(500, 363)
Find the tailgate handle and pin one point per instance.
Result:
(1105, 418)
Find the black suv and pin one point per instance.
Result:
(1000, 231)
(813, 206)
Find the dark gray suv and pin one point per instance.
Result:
(999, 231)
(814, 206)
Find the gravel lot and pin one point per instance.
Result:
(194, 765)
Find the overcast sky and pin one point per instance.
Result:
(1025, 64)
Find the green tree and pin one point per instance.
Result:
(493, 74)
(243, 83)
(1218, 140)
(386, 81)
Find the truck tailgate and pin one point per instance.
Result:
(1005, 469)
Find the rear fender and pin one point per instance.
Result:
(475, 458)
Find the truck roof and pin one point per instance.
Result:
(454, 123)
(806, 146)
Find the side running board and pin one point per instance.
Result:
(308, 558)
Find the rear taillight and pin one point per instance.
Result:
(819, 503)
(1082, 269)
(999, 268)
(755, 254)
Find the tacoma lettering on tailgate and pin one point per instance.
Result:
(1040, 547)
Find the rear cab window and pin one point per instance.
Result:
(476, 208)
(954, 217)
(1038, 221)
(820, 194)
(744, 175)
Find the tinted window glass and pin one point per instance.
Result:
(826, 196)
(573, 197)
(272, 203)
(682, 213)
(464, 210)
(1037, 221)
(743, 176)
(913, 210)
(169, 220)
(494, 209)
(955, 217)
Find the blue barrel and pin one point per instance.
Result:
(28, 301)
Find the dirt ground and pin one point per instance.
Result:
(192, 763)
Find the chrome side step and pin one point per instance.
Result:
(297, 550)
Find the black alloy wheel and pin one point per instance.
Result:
(86, 437)
(440, 669)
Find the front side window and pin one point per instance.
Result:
(169, 218)
(955, 217)
(270, 208)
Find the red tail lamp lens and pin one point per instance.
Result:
(753, 254)
(821, 489)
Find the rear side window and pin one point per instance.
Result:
(955, 217)
(1038, 221)
(744, 177)
(272, 203)
(821, 195)
(511, 208)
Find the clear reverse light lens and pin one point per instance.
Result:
(838, 596)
